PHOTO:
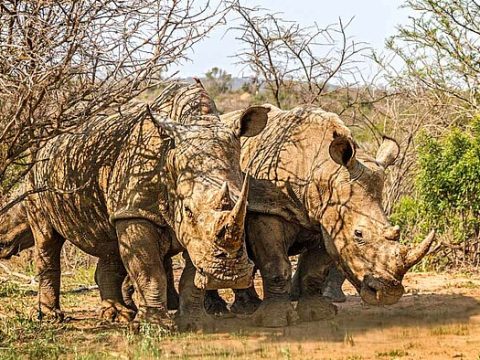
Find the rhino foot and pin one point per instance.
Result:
(315, 308)
(336, 295)
(113, 311)
(189, 321)
(152, 315)
(215, 305)
(275, 313)
(244, 306)
(48, 315)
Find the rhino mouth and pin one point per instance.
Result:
(379, 292)
(219, 272)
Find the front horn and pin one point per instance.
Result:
(417, 252)
(231, 233)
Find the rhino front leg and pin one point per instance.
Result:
(172, 294)
(246, 301)
(109, 276)
(142, 249)
(191, 314)
(309, 279)
(48, 246)
(214, 304)
(268, 237)
(332, 287)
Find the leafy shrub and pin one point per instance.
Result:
(447, 192)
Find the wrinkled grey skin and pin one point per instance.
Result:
(16, 235)
(15, 232)
(135, 188)
(332, 216)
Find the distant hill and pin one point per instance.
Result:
(237, 83)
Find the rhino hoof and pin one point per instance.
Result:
(242, 307)
(113, 311)
(158, 316)
(275, 313)
(48, 315)
(189, 322)
(335, 294)
(315, 308)
(215, 305)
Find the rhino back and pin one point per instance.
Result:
(139, 184)
(75, 170)
(287, 153)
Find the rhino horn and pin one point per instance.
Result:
(223, 201)
(231, 233)
(240, 209)
(417, 252)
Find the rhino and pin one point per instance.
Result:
(314, 192)
(16, 235)
(140, 185)
(15, 232)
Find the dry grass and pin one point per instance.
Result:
(437, 322)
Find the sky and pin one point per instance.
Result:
(374, 21)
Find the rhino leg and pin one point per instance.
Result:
(48, 246)
(109, 276)
(141, 247)
(312, 270)
(127, 294)
(172, 294)
(332, 288)
(267, 237)
(246, 301)
(191, 314)
(214, 304)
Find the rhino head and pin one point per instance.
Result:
(15, 233)
(210, 195)
(358, 235)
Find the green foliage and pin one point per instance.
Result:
(10, 289)
(217, 81)
(41, 340)
(439, 48)
(447, 186)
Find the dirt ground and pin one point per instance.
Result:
(438, 318)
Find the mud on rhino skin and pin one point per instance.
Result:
(133, 187)
(334, 215)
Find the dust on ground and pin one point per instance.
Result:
(438, 318)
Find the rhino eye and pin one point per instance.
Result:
(188, 212)
(358, 234)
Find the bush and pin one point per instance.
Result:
(447, 193)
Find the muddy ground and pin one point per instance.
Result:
(438, 318)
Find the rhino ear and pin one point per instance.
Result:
(342, 150)
(387, 152)
(252, 121)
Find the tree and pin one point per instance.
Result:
(440, 51)
(217, 81)
(63, 62)
(290, 58)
